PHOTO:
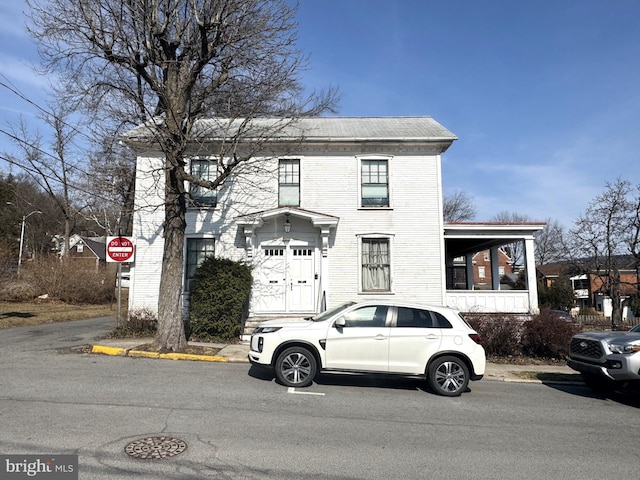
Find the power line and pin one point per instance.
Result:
(34, 172)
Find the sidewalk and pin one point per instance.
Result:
(237, 353)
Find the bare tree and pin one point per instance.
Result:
(515, 250)
(55, 172)
(550, 245)
(632, 235)
(108, 187)
(597, 238)
(458, 207)
(178, 61)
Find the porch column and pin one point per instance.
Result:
(324, 282)
(469, 262)
(495, 268)
(530, 268)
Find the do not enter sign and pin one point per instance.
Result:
(119, 249)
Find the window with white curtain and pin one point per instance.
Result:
(376, 265)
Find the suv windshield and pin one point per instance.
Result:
(330, 313)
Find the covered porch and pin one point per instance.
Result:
(509, 273)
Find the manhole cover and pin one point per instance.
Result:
(155, 448)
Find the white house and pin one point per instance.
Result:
(333, 209)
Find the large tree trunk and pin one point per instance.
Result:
(171, 335)
(616, 299)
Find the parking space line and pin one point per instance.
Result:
(293, 390)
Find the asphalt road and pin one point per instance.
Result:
(239, 426)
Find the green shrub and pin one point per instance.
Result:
(219, 299)
(500, 333)
(141, 323)
(547, 336)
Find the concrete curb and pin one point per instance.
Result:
(103, 349)
(133, 353)
(237, 353)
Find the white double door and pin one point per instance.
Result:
(286, 279)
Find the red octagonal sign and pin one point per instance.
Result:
(119, 249)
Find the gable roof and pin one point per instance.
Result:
(313, 129)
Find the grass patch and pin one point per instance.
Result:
(18, 314)
(549, 376)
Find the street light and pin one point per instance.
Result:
(24, 219)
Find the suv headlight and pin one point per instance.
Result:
(624, 348)
(266, 330)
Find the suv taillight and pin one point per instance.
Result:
(476, 338)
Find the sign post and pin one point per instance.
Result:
(120, 250)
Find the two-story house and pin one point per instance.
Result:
(334, 209)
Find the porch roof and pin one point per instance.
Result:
(462, 238)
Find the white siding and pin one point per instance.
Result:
(330, 186)
(147, 234)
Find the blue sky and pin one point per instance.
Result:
(544, 96)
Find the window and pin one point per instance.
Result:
(289, 183)
(197, 250)
(372, 317)
(417, 318)
(413, 317)
(481, 273)
(376, 265)
(501, 271)
(205, 170)
(375, 183)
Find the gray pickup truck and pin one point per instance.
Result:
(606, 360)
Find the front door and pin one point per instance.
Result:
(285, 280)
(301, 279)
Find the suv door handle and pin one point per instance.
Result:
(380, 337)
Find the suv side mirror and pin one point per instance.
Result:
(340, 322)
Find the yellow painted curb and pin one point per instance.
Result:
(143, 354)
(167, 356)
(108, 350)
(190, 356)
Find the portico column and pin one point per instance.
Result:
(495, 268)
(532, 285)
(469, 275)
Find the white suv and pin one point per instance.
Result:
(373, 337)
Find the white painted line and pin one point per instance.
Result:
(293, 390)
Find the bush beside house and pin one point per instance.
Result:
(545, 336)
(219, 299)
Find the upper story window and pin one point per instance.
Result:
(374, 183)
(205, 170)
(289, 183)
(197, 250)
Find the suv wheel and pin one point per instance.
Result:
(296, 367)
(448, 376)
